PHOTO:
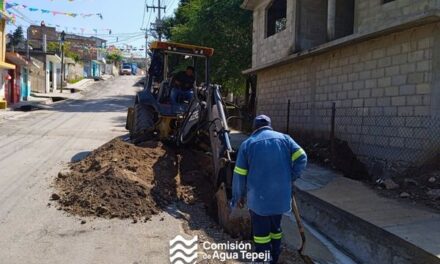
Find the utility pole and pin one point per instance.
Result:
(158, 25)
(63, 35)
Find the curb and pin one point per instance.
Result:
(366, 242)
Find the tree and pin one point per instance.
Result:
(115, 56)
(68, 52)
(222, 25)
(16, 38)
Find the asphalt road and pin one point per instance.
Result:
(34, 146)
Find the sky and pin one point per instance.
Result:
(125, 18)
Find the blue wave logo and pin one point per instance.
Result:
(183, 251)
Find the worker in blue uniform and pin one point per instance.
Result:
(268, 163)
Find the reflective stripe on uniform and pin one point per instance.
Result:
(240, 171)
(262, 240)
(276, 235)
(298, 154)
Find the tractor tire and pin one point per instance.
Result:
(143, 123)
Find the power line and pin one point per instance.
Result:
(145, 11)
(158, 26)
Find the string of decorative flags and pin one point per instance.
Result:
(45, 11)
(12, 18)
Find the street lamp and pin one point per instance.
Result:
(63, 35)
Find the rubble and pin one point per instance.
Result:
(404, 195)
(390, 184)
(434, 194)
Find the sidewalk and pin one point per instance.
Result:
(371, 228)
(67, 91)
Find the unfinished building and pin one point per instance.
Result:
(378, 61)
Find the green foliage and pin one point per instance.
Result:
(16, 38)
(115, 56)
(68, 52)
(222, 25)
(76, 80)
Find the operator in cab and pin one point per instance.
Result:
(268, 164)
(183, 84)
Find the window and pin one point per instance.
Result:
(318, 24)
(276, 19)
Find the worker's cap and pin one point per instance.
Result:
(262, 121)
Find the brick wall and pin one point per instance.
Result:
(370, 16)
(384, 89)
(277, 46)
(373, 15)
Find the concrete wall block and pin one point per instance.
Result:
(408, 89)
(364, 75)
(397, 142)
(398, 80)
(416, 77)
(405, 110)
(423, 88)
(390, 111)
(392, 70)
(423, 66)
(384, 62)
(364, 93)
(384, 82)
(353, 94)
(384, 101)
(370, 84)
(358, 102)
(422, 110)
(399, 59)
(378, 92)
(398, 100)
(416, 56)
(370, 102)
(392, 91)
(413, 143)
(407, 68)
(378, 73)
(414, 100)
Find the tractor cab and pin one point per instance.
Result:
(155, 111)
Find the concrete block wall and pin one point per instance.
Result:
(383, 88)
(373, 15)
(266, 50)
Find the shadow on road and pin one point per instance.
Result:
(106, 104)
(80, 156)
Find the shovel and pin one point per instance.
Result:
(306, 258)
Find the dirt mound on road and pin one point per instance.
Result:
(120, 180)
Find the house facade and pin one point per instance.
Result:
(377, 61)
(90, 50)
(18, 86)
(4, 66)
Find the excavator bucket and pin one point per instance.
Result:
(237, 223)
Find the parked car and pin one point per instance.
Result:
(126, 69)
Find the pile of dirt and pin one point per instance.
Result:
(420, 185)
(121, 180)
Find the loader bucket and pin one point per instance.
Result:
(237, 225)
(130, 119)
